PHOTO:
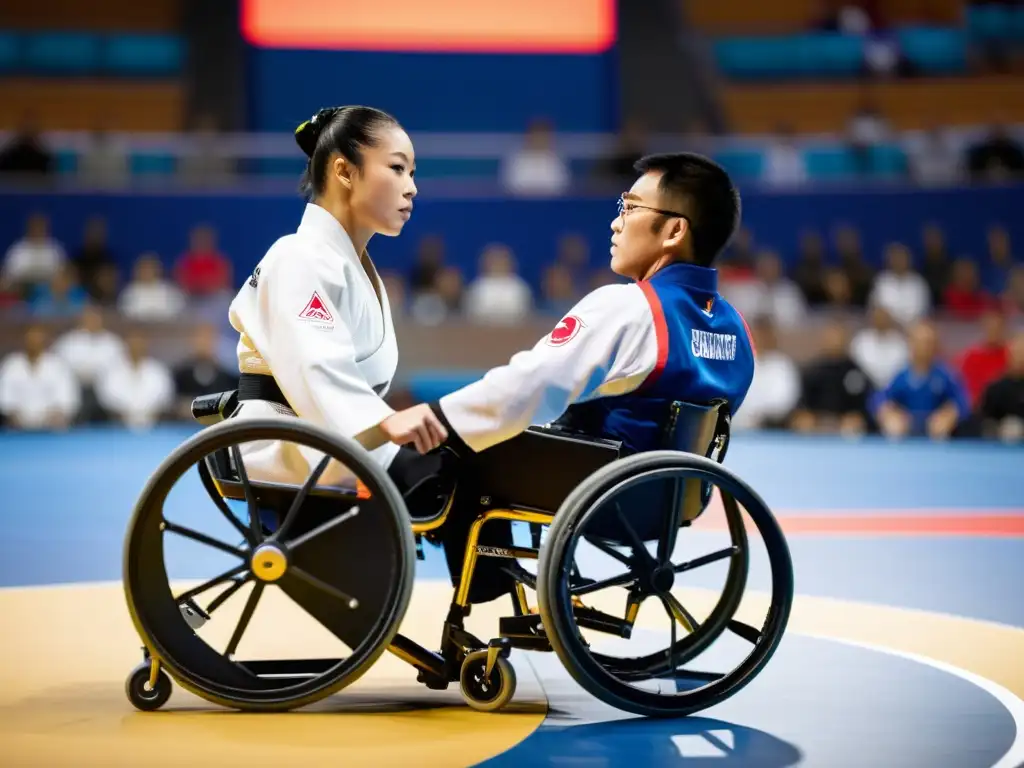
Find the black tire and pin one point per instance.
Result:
(593, 671)
(142, 697)
(368, 628)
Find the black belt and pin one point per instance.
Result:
(257, 386)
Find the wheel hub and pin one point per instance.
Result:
(269, 562)
(663, 578)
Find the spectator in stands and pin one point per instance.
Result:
(106, 286)
(737, 263)
(26, 152)
(784, 164)
(901, 290)
(394, 286)
(149, 296)
(809, 270)
(93, 255)
(851, 259)
(964, 297)
(442, 302)
(88, 350)
(775, 389)
(104, 161)
(537, 168)
(1002, 405)
(428, 262)
(838, 292)
(771, 294)
(207, 163)
(35, 259)
(1013, 297)
(37, 390)
(201, 373)
(984, 362)
(834, 389)
(933, 160)
(880, 349)
(935, 268)
(559, 294)
(498, 295)
(925, 398)
(140, 391)
(630, 146)
(203, 271)
(1000, 261)
(574, 254)
(62, 297)
(996, 158)
(867, 128)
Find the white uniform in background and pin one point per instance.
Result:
(138, 394)
(89, 354)
(32, 393)
(310, 317)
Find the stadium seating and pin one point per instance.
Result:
(109, 54)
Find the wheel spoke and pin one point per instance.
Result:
(682, 615)
(614, 581)
(218, 500)
(323, 586)
(672, 622)
(638, 545)
(250, 496)
(224, 596)
(245, 618)
(673, 519)
(320, 529)
(745, 631)
(293, 510)
(202, 538)
(711, 557)
(608, 550)
(211, 583)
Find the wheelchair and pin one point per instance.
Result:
(346, 553)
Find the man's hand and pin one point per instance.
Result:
(417, 425)
(893, 420)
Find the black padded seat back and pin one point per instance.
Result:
(694, 428)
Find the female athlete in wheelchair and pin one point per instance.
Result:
(635, 385)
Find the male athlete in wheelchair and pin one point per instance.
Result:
(636, 385)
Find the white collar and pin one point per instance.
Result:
(318, 222)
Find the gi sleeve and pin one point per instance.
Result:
(605, 346)
(308, 345)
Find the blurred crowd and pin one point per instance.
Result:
(882, 366)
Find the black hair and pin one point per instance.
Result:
(337, 129)
(703, 191)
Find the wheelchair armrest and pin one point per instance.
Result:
(210, 409)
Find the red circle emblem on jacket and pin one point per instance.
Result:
(565, 331)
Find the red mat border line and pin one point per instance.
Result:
(1006, 525)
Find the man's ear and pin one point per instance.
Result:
(676, 235)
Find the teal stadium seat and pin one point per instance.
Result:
(990, 23)
(934, 50)
(152, 164)
(828, 163)
(152, 55)
(66, 53)
(10, 52)
(815, 55)
(742, 164)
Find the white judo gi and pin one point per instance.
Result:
(310, 316)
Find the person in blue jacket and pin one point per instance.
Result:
(927, 398)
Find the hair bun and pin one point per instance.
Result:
(308, 132)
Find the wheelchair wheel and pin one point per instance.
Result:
(344, 556)
(597, 512)
(141, 694)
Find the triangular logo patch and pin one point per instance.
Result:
(316, 310)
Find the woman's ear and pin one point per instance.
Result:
(343, 171)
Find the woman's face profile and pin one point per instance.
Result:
(383, 189)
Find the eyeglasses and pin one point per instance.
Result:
(625, 206)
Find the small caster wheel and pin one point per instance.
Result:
(141, 695)
(483, 693)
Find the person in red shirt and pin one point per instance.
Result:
(985, 362)
(964, 297)
(203, 271)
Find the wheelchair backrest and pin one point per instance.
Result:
(701, 429)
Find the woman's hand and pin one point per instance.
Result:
(417, 425)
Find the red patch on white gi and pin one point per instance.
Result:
(315, 309)
(565, 331)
